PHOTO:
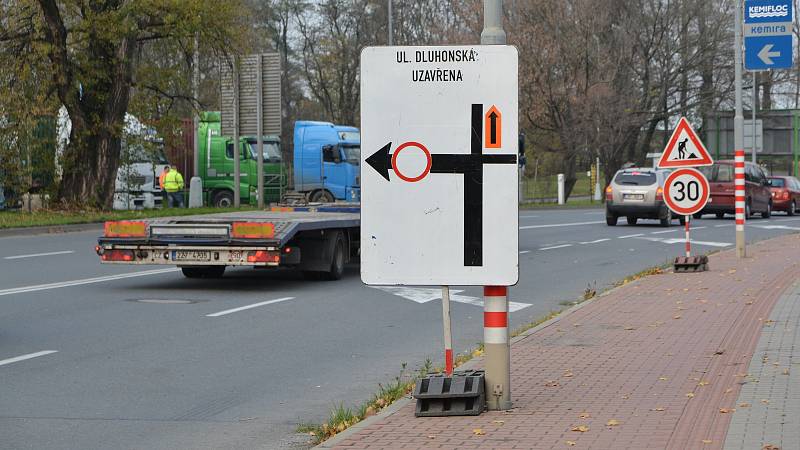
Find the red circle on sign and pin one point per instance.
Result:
(424, 172)
(702, 200)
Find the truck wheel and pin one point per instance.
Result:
(720, 215)
(223, 199)
(203, 272)
(632, 220)
(322, 197)
(611, 220)
(337, 263)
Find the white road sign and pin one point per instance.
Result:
(686, 191)
(439, 165)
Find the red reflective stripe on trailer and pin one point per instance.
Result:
(448, 361)
(495, 291)
(495, 319)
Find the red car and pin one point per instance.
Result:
(720, 179)
(785, 194)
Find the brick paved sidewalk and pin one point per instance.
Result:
(658, 363)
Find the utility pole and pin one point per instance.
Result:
(495, 298)
(738, 134)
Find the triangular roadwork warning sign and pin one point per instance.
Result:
(685, 149)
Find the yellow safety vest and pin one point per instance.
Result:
(173, 182)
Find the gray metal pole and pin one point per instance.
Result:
(196, 183)
(391, 27)
(260, 112)
(236, 146)
(755, 99)
(738, 119)
(498, 351)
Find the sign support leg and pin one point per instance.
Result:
(687, 220)
(496, 347)
(448, 337)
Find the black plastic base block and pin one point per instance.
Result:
(462, 394)
(685, 264)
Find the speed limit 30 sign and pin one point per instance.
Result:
(686, 191)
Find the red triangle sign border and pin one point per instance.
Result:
(705, 157)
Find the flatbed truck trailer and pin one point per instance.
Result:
(318, 240)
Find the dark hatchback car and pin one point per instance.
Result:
(758, 198)
(785, 194)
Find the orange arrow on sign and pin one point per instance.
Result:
(494, 130)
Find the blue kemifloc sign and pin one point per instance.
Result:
(768, 34)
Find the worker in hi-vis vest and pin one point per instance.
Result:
(173, 184)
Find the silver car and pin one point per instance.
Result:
(638, 193)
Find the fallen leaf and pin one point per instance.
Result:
(677, 317)
(770, 447)
(732, 271)
(744, 405)
(567, 374)
(584, 415)
(612, 423)
(659, 408)
(729, 390)
(748, 303)
(581, 428)
(629, 328)
(478, 432)
(724, 410)
(706, 441)
(571, 443)
(765, 401)
(703, 383)
(430, 436)
(625, 397)
(662, 378)
(681, 308)
(786, 371)
(685, 289)
(499, 421)
(719, 352)
(551, 383)
(690, 395)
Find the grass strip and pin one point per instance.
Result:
(24, 219)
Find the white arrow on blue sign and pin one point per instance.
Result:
(768, 34)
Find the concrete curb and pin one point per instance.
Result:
(51, 229)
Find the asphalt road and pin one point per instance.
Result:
(95, 356)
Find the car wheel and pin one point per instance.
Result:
(768, 212)
(720, 215)
(697, 216)
(682, 220)
(611, 220)
(792, 208)
(203, 272)
(223, 199)
(747, 212)
(632, 220)
(322, 197)
(667, 221)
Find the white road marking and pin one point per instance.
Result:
(425, 295)
(662, 232)
(556, 246)
(33, 255)
(254, 305)
(3, 362)
(529, 217)
(723, 225)
(698, 228)
(524, 252)
(554, 225)
(63, 284)
(775, 227)
(595, 242)
(682, 240)
(631, 236)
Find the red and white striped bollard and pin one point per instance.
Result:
(740, 204)
(496, 347)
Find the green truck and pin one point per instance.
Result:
(216, 165)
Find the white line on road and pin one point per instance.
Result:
(524, 251)
(556, 246)
(63, 284)
(33, 255)
(554, 225)
(698, 228)
(425, 295)
(681, 241)
(254, 305)
(631, 236)
(529, 217)
(775, 227)
(662, 232)
(723, 225)
(595, 241)
(3, 362)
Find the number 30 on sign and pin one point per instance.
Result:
(686, 191)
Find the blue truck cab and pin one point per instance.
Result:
(326, 161)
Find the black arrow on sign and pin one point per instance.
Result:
(471, 166)
(493, 127)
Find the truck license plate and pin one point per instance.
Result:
(191, 255)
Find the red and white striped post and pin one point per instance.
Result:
(496, 347)
(740, 203)
(688, 241)
(448, 336)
